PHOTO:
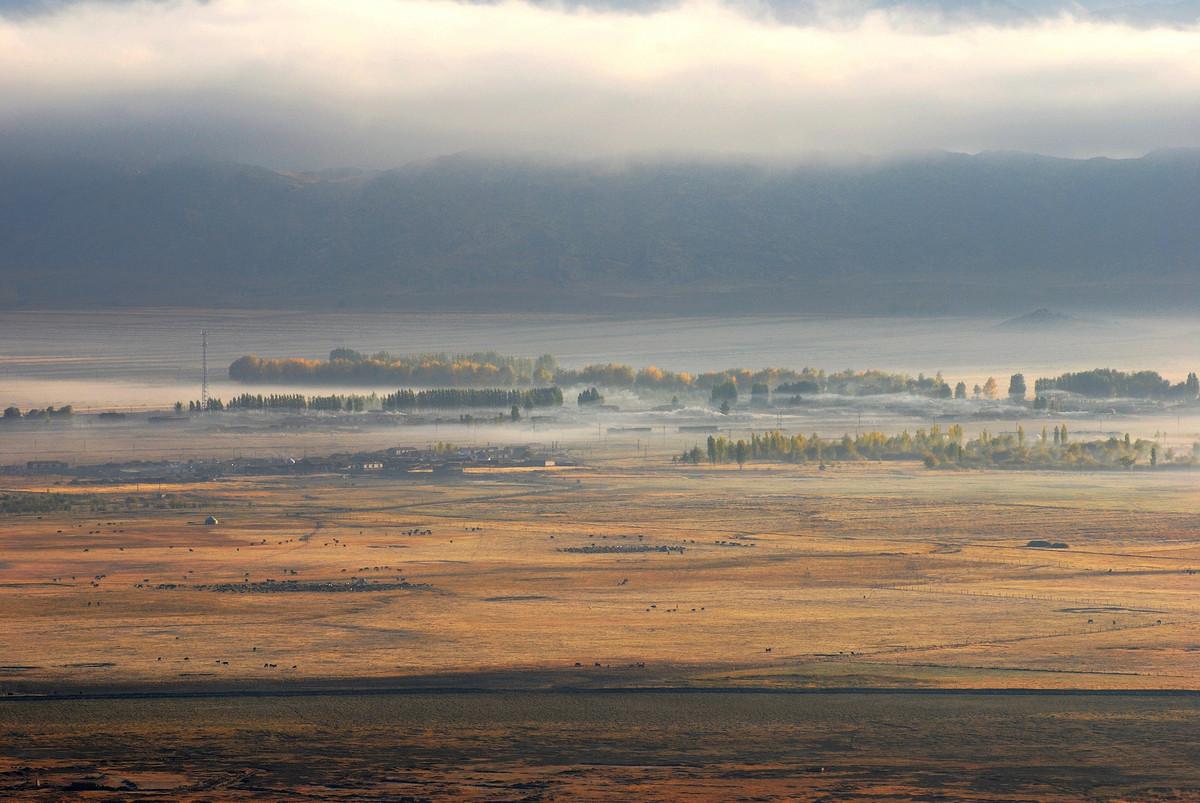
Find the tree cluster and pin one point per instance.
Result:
(1105, 383)
(589, 396)
(937, 448)
(296, 402)
(399, 400)
(489, 369)
(13, 413)
(473, 397)
(480, 369)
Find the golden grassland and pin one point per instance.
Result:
(867, 632)
(862, 575)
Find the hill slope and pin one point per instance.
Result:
(939, 232)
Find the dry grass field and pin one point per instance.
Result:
(866, 574)
(600, 583)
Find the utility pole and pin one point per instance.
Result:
(204, 379)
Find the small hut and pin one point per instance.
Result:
(211, 520)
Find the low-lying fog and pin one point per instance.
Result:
(151, 358)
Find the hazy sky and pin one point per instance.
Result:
(375, 83)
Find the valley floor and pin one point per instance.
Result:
(629, 629)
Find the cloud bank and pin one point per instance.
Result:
(375, 83)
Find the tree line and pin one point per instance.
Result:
(948, 448)
(1105, 383)
(497, 370)
(399, 400)
(474, 397)
(296, 402)
(287, 402)
(479, 369)
(12, 412)
(493, 370)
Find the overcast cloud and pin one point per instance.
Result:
(376, 83)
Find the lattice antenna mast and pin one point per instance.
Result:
(204, 376)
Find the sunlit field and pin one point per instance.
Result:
(625, 576)
(623, 573)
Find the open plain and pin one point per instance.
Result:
(844, 631)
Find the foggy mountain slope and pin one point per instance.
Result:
(966, 229)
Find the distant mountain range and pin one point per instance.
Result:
(931, 233)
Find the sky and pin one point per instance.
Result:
(307, 84)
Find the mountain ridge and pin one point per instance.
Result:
(919, 233)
